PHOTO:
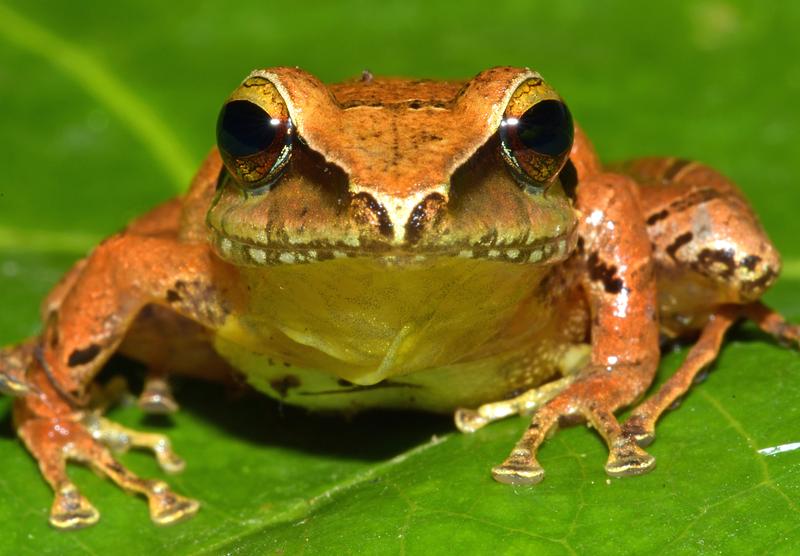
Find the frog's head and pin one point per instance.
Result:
(398, 170)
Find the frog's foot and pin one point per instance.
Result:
(156, 397)
(121, 439)
(594, 397)
(14, 362)
(470, 420)
(53, 440)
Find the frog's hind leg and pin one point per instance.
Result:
(641, 423)
(773, 323)
(571, 361)
(470, 420)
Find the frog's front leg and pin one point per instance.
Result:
(55, 421)
(620, 284)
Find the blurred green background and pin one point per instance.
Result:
(107, 109)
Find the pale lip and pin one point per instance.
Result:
(241, 252)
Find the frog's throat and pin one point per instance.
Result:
(357, 320)
(533, 250)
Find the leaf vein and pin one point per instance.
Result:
(106, 88)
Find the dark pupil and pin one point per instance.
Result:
(546, 128)
(244, 129)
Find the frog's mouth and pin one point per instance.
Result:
(243, 252)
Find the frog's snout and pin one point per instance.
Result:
(401, 220)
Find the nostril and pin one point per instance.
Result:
(368, 211)
(422, 215)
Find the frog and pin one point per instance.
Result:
(448, 246)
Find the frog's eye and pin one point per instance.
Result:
(536, 133)
(254, 133)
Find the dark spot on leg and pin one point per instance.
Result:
(656, 216)
(750, 262)
(693, 199)
(707, 257)
(173, 296)
(198, 300)
(115, 466)
(760, 284)
(607, 274)
(674, 169)
(52, 326)
(284, 384)
(83, 356)
(679, 242)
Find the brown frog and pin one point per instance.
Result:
(399, 243)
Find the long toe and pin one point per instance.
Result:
(167, 508)
(70, 510)
(629, 460)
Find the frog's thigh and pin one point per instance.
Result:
(703, 231)
(121, 276)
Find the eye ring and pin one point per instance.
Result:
(536, 134)
(254, 134)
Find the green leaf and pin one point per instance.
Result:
(107, 107)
